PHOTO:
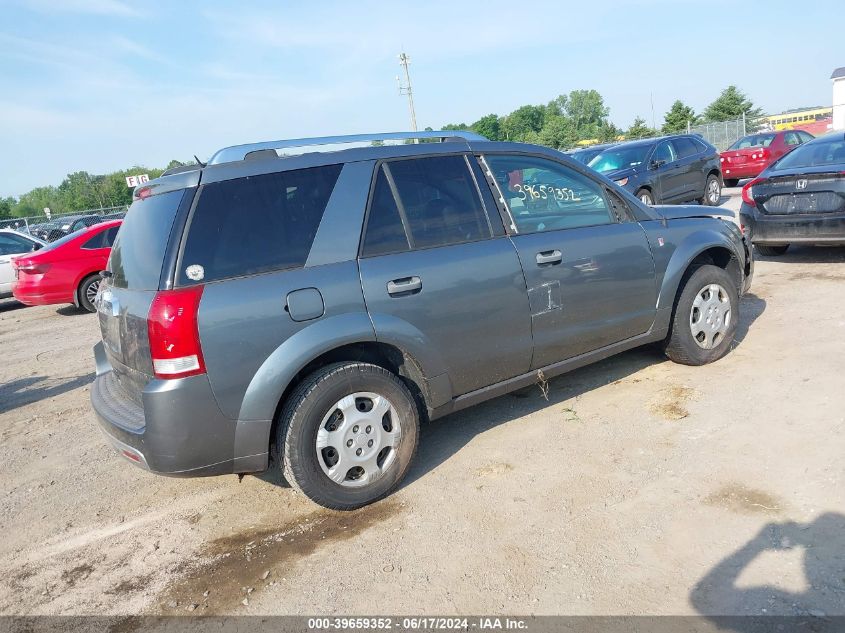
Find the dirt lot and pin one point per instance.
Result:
(640, 487)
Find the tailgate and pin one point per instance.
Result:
(135, 274)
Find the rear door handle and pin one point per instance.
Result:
(404, 286)
(549, 257)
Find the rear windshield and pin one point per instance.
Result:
(255, 224)
(815, 154)
(138, 251)
(755, 140)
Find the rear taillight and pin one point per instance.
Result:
(174, 334)
(31, 268)
(762, 154)
(748, 191)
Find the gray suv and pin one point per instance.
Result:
(306, 309)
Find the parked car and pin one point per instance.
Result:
(751, 154)
(667, 169)
(799, 198)
(12, 244)
(43, 230)
(67, 270)
(586, 154)
(307, 312)
(68, 224)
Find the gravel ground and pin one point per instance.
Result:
(639, 487)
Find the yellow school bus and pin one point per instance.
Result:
(789, 120)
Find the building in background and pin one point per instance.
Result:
(838, 79)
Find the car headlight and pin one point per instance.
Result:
(622, 182)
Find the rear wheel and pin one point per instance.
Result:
(771, 251)
(348, 434)
(705, 319)
(712, 191)
(88, 291)
(731, 182)
(645, 196)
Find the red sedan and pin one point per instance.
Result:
(751, 154)
(66, 271)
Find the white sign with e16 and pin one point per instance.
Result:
(134, 181)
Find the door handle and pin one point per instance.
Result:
(549, 257)
(404, 286)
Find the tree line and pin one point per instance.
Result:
(578, 116)
(582, 116)
(79, 191)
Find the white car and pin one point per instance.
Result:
(13, 244)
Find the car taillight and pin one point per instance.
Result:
(748, 192)
(31, 268)
(174, 333)
(762, 154)
(721, 159)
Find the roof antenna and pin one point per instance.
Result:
(199, 162)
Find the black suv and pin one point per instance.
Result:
(664, 170)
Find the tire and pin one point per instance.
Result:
(712, 191)
(715, 320)
(313, 412)
(731, 182)
(771, 251)
(87, 291)
(645, 196)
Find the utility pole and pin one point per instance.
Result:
(404, 60)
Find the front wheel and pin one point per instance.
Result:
(646, 197)
(348, 434)
(705, 319)
(771, 251)
(712, 191)
(88, 292)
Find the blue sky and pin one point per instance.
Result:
(99, 85)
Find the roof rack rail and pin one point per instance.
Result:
(239, 152)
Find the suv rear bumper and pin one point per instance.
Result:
(179, 430)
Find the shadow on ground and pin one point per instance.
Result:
(23, 391)
(822, 542)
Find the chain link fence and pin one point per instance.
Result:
(60, 224)
(722, 134)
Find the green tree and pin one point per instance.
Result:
(489, 126)
(639, 129)
(678, 117)
(518, 124)
(558, 132)
(731, 104)
(6, 206)
(586, 109)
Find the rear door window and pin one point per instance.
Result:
(423, 203)
(684, 147)
(255, 224)
(103, 239)
(12, 244)
(791, 138)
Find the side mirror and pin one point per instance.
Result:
(657, 164)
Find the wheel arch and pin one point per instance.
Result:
(700, 248)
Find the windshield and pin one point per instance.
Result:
(585, 155)
(815, 154)
(754, 140)
(620, 158)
